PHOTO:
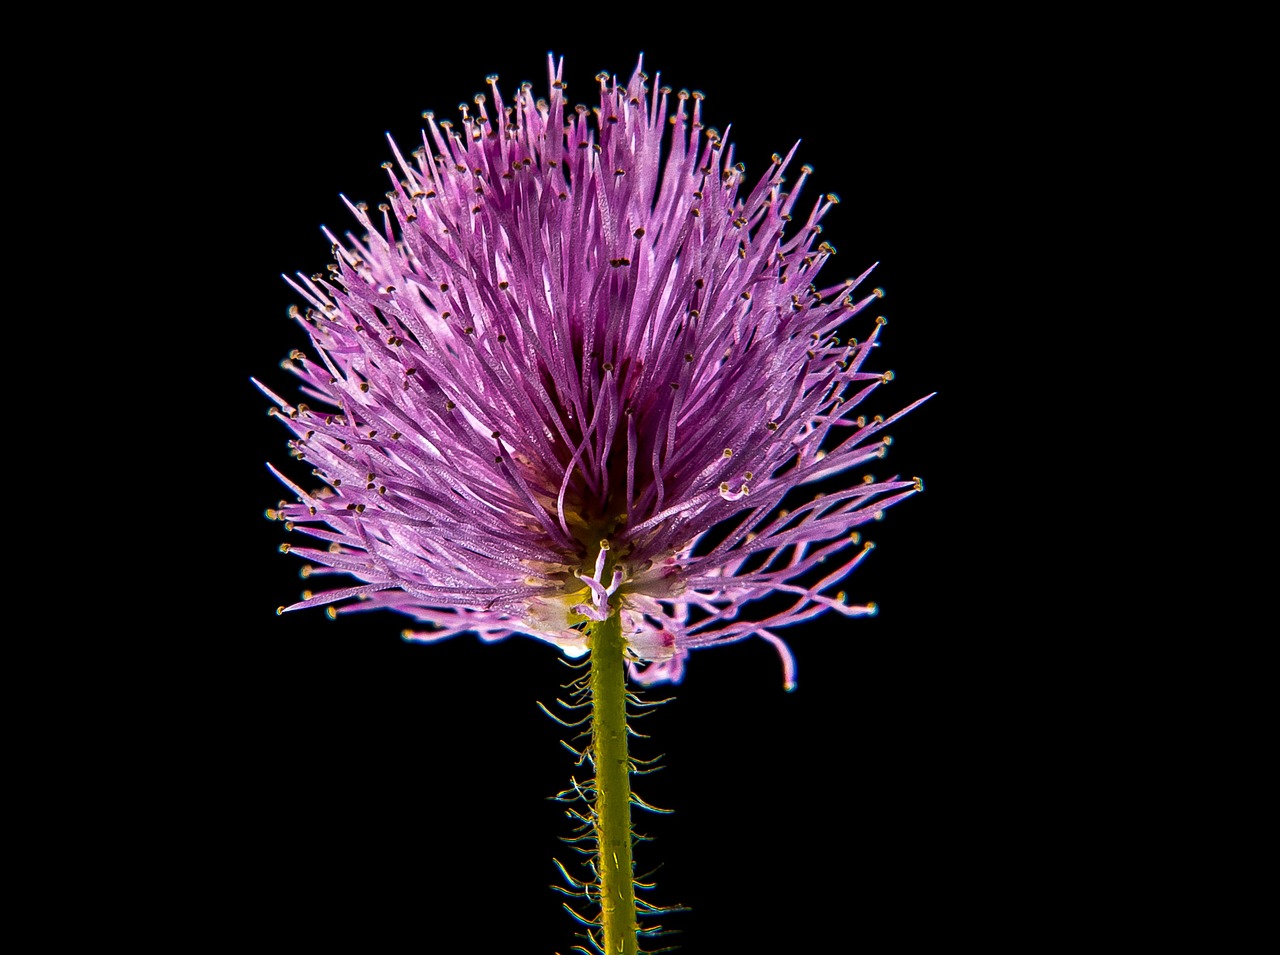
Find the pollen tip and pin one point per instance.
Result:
(331, 612)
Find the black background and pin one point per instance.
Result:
(325, 779)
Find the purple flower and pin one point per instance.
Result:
(562, 368)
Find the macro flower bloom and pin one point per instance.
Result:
(577, 355)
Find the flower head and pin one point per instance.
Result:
(576, 363)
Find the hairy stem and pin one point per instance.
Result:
(613, 787)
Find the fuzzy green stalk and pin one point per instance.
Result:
(613, 787)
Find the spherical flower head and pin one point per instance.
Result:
(577, 363)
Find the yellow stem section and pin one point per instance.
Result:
(613, 787)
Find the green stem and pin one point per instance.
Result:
(613, 787)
